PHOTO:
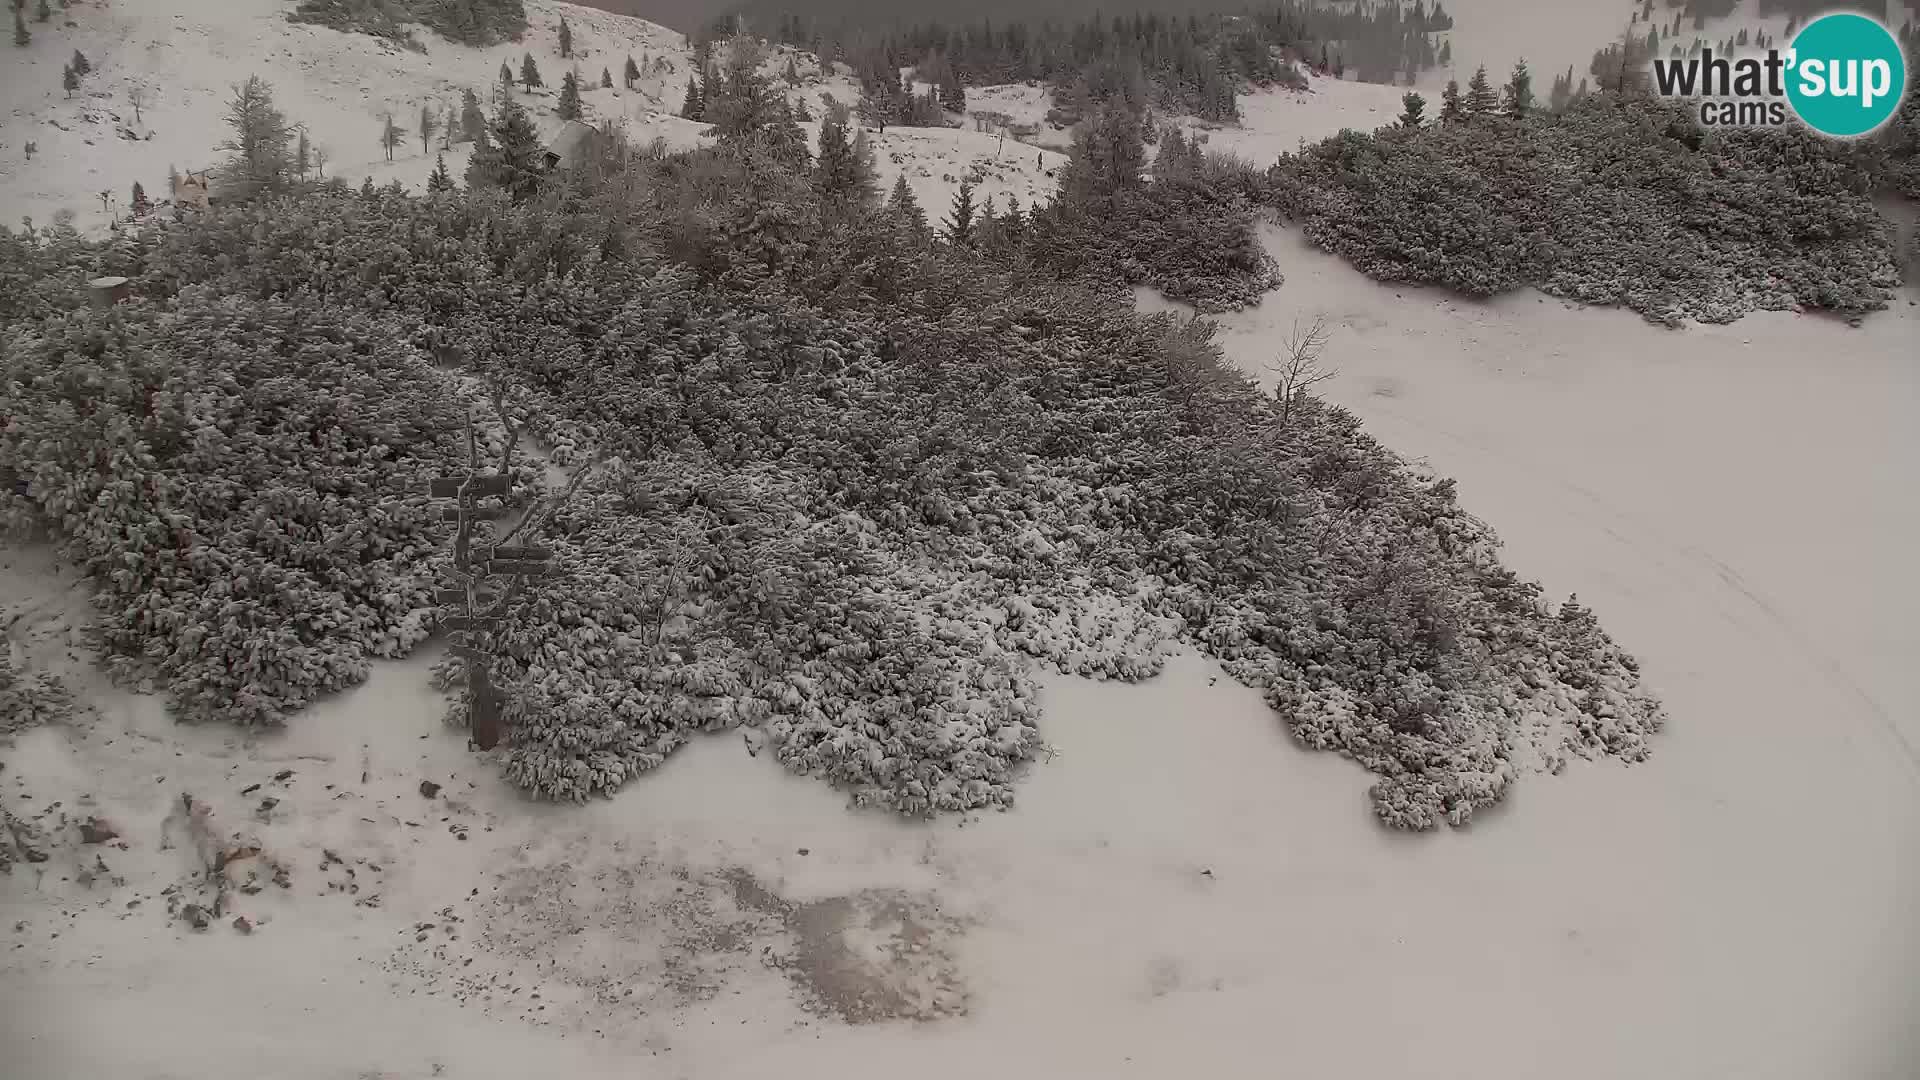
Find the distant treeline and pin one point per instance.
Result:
(469, 22)
(1192, 63)
(1697, 13)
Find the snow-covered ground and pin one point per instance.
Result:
(1275, 122)
(1555, 35)
(1180, 889)
(185, 56)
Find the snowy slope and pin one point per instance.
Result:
(187, 54)
(1180, 890)
(184, 56)
(1276, 121)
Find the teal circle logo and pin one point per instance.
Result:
(1846, 75)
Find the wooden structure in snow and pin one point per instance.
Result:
(194, 190)
(108, 291)
(475, 609)
(570, 146)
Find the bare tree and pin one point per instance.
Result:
(1299, 368)
(391, 134)
(137, 97)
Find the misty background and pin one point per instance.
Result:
(686, 15)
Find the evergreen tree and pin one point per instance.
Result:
(566, 39)
(839, 174)
(302, 154)
(866, 171)
(512, 161)
(903, 207)
(70, 80)
(631, 74)
(42, 12)
(953, 96)
(259, 148)
(1171, 159)
(1481, 98)
(785, 140)
(1013, 224)
(569, 106)
(1562, 92)
(530, 73)
(879, 106)
(1519, 92)
(1414, 111)
(1445, 58)
(692, 108)
(20, 35)
(506, 81)
(141, 204)
(391, 134)
(986, 228)
(791, 74)
(81, 66)
(959, 222)
(429, 123)
(480, 163)
(472, 121)
(741, 102)
(1108, 154)
(440, 180)
(801, 113)
(606, 79)
(1451, 109)
(366, 189)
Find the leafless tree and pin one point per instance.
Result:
(391, 134)
(1299, 368)
(137, 97)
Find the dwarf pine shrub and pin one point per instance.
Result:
(1615, 201)
(853, 494)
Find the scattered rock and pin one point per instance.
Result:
(804, 851)
(429, 788)
(97, 831)
(282, 775)
(250, 789)
(243, 924)
(197, 916)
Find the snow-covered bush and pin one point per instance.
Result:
(850, 493)
(240, 478)
(1611, 202)
(30, 698)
